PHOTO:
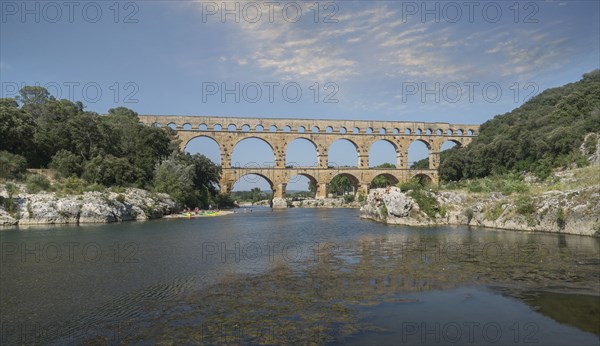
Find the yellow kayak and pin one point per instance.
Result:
(192, 215)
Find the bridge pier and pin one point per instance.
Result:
(321, 190)
(323, 161)
(363, 189)
(363, 161)
(279, 200)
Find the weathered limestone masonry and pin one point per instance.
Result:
(278, 133)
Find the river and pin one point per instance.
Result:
(320, 276)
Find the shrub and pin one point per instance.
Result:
(591, 141)
(525, 205)
(94, 187)
(384, 211)
(561, 218)
(476, 186)
(36, 183)
(412, 184)
(29, 210)
(9, 203)
(469, 214)
(426, 202)
(74, 185)
(66, 164)
(443, 211)
(12, 166)
(348, 198)
(120, 198)
(110, 171)
(494, 212)
(175, 177)
(225, 201)
(11, 189)
(361, 198)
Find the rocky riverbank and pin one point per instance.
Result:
(89, 207)
(332, 202)
(338, 202)
(574, 211)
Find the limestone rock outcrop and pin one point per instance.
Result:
(571, 212)
(89, 207)
(590, 148)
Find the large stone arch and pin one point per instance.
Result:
(395, 146)
(423, 176)
(355, 181)
(260, 174)
(310, 178)
(428, 145)
(392, 180)
(186, 137)
(301, 139)
(253, 136)
(422, 140)
(185, 145)
(332, 141)
(234, 144)
(457, 143)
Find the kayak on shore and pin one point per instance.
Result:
(191, 215)
(200, 214)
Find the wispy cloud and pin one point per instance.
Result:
(371, 42)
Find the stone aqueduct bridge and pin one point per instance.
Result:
(278, 133)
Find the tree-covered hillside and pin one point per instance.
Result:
(544, 133)
(91, 151)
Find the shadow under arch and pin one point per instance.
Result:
(343, 183)
(383, 180)
(423, 178)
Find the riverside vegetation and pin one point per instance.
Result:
(567, 203)
(556, 131)
(535, 168)
(92, 154)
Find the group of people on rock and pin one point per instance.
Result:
(377, 196)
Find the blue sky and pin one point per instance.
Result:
(367, 59)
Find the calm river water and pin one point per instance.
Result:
(299, 276)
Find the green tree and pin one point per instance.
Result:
(66, 164)
(340, 184)
(176, 178)
(12, 166)
(255, 194)
(16, 128)
(33, 95)
(544, 133)
(380, 181)
(206, 172)
(112, 171)
(143, 146)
